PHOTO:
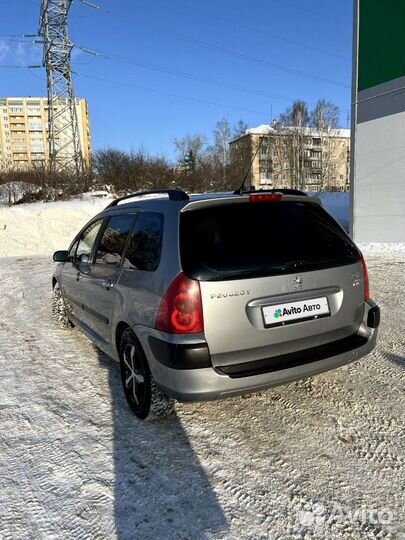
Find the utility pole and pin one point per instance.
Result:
(65, 153)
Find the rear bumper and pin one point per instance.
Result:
(184, 370)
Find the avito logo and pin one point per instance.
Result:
(282, 312)
(295, 310)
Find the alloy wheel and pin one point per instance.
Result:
(134, 376)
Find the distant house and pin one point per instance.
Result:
(290, 157)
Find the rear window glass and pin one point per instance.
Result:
(112, 243)
(251, 240)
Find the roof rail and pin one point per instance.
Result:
(174, 195)
(283, 191)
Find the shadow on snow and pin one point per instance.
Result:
(161, 490)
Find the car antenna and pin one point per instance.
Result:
(239, 191)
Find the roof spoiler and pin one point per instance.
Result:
(174, 195)
(296, 192)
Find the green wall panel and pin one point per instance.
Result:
(381, 41)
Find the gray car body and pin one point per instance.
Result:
(105, 300)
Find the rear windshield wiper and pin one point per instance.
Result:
(259, 271)
(294, 265)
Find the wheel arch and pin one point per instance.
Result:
(119, 331)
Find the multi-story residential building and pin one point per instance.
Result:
(24, 132)
(300, 158)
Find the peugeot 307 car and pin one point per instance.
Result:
(208, 296)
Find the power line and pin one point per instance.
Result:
(262, 32)
(185, 75)
(170, 94)
(211, 46)
(17, 40)
(35, 75)
(182, 74)
(19, 67)
(11, 36)
(304, 10)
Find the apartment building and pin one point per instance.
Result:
(300, 158)
(24, 132)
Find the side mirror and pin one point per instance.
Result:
(61, 256)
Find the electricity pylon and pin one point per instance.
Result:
(65, 153)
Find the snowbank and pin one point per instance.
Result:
(42, 228)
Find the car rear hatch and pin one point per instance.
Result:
(277, 275)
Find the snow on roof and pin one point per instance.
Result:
(266, 129)
(263, 129)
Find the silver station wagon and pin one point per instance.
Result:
(208, 296)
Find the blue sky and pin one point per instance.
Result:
(258, 45)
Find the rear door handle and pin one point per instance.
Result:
(108, 284)
(78, 276)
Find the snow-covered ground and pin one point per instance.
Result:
(41, 228)
(320, 459)
(382, 250)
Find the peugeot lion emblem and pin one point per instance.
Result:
(298, 282)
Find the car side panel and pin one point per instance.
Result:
(139, 293)
(72, 289)
(99, 290)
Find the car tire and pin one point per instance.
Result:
(144, 397)
(59, 310)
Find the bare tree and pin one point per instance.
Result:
(133, 171)
(325, 120)
(296, 116)
(190, 146)
(281, 150)
(325, 116)
(36, 183)
(222, 136)
(112, 167)
(239, 129)
(295, 122)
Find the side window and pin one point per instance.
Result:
(86, 242)
(72, 252)
(145, 244)
(113, 240)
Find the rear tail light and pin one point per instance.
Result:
(180, 311)
(273, 197)
(366, 280)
